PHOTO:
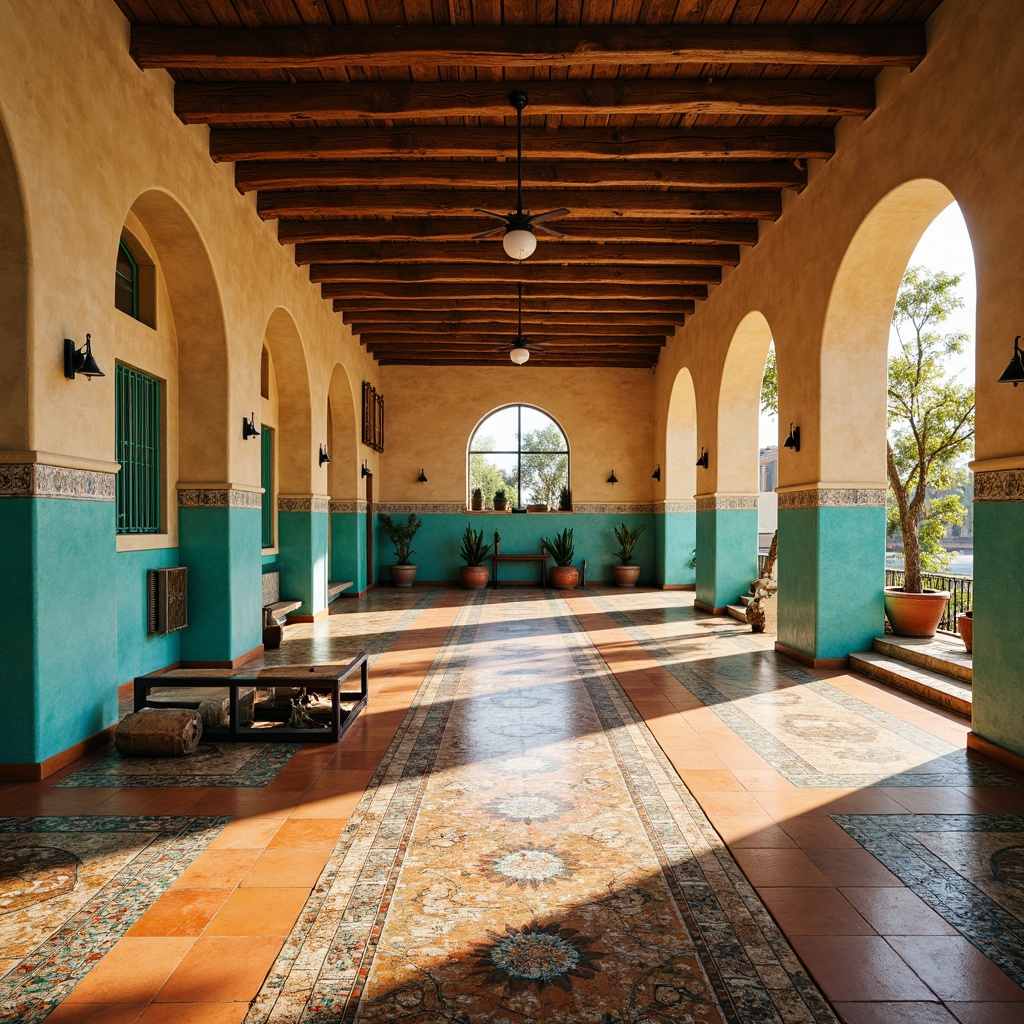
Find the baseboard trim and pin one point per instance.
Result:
(807, 659)
(986, 748)
(40, 770)
(710, 609)
(315, 617)
(678, 586)
(240, 662)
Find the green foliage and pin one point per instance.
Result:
(693, 559)
(400, 534)
(499, 495)
(627, 538)
(546, 469)
(930, 417)
(561, 550)
(474, 550)
(770, 384)
(565, 500)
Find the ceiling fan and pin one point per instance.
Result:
(520, 240)
(519, 352)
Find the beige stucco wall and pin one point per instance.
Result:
(433, 411)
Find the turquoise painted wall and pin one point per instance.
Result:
(831, 575)
(998, 636)
(60, 633)
(137, 651)
(348, 549)
(675, 536)
(224, 587)
(437, 543)
(303, 559)
(726, 555)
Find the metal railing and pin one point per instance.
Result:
(762, 563)
(961, 593)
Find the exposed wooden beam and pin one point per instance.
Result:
(256, 102)
(540, 288)
(417, 142)
(459, 202)
(532, 325)
(456, 308)
(490, 251)
(686, 174)
(469, 273)
(317, 46)
(541, 336)
(621, 362)
(458, 229)
(362, 318)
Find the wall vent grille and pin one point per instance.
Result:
(168, 601)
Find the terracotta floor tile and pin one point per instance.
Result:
(258, 912)
(246, 834)
(813, 910)
(956, 970)
(97, 1013)
(288, 869)
(132, 972)
(986, 1013)
(340, 781)
(779, 868)
(221, 969)
(817, 831)
(181, 912)
(327, 805)
(216, 869)
(756, 780)
(702, 781)
(736, 828)
(195, 1013)
(895, 1013)
(308, 833)
(769, 837)
(851, 867)
(897, 911)
(859, 968)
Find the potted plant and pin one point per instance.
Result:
(965, 623)
(476, 503)
(474, 574)
(563, 574)
(401, 535)
(500, 501)
(931, 420)
(626, 573)
(565, 500)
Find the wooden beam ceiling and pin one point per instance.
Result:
(669, 142)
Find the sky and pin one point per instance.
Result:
(944, 246)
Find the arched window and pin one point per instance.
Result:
(126, 281)
(524, 452)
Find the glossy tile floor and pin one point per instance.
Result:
(504, 836)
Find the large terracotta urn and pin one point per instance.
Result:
(965, 623)
(625, 575)
(563, 577)
(402, 575)
(474, 577)
(915, 615)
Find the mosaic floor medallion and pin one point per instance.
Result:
(70, 887)
(811, 732)
(969, 868)
(493, 875)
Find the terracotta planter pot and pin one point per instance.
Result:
(474, 577)
(625, 575)
(564, 577)
(402, 575)
(965, 623)
(915, 615)
(500, 504)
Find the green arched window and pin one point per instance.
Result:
(523, 451)
(126, 281)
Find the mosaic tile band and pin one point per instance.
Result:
(833, 497)
(287, 503)
(999, 485)
(348, 506)
(726, 502)
(36, 480)
(218, 497)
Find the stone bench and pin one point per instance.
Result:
(275, 610)
(335, 588)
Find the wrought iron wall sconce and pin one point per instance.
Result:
(656, 475)
(702, 461)
(422, 478)
(613, 479)
(325, 459)
(793, 441)
(249, 427)
(365, 471)
(80, 361)
(1014, 373)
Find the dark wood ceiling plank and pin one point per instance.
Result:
(469, 273)
(540, 288)
(452, 229)
(318, 46)
(549, 310)
(598, 203)
(446, 141)
(531, 326)
(255, 102)
(491, 252)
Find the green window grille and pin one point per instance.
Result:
(267, 483)
(137, 448)
(126, 282)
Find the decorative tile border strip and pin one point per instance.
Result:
(422, 508)
(218, 497)
(674, 507)
(36, 480)
(999, 485)
(303, 505)
(834, 497)
(727, 503)
(636, 508)
(348, 506)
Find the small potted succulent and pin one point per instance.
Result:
(500, 500)
(625, 572)
(401, 535)
(563, 574)
(476, 502)
(474, 574)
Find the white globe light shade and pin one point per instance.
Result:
(519, 355)
(519, 243)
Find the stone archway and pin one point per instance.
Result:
(676, 526)
(350, 547)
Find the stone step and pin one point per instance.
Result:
(942, 654)
(952, 694)
(737, 611)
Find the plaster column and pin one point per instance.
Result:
(348, 543)
(726, 548)
(675, 538)
(302, 524)
(831, 570)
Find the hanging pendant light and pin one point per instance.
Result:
(520, 353)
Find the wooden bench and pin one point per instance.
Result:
(275, 611)
(190, 687)
(498, 557)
